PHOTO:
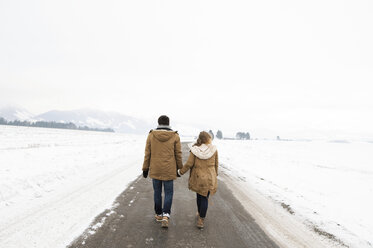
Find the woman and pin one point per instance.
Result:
(203, 165)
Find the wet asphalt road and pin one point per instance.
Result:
(132, 224)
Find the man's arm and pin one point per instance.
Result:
(177, 148)
(146, 164)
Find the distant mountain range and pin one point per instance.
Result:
(98, 119)
(94, 119)
(82, 117)
(15, 113)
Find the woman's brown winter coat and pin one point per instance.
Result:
(162, 155)
(203, 173)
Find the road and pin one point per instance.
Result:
(131, 223)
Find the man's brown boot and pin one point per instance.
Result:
(165, 222)
(158, 218)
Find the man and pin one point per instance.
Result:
(162, 160)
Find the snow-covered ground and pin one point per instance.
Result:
(54, 182)
(327, 185)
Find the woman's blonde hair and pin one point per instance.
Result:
(203, 138)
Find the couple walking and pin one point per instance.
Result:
(163, 163)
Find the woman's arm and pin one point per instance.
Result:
(216, 162)
(189, 164)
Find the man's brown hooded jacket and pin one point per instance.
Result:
(162, 155)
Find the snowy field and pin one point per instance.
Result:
(328, 186)
(54, 182)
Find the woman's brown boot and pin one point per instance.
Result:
(200, 222)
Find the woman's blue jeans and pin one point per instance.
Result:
(202, 204)
(168, 194)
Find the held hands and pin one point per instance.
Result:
(145, 173)
(178, 173)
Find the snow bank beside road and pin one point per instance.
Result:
(54, 182)
(326, 185)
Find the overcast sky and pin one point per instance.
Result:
(286, 66)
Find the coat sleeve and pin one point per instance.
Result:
(177, 149)
(189, 164)
(216, 162)
(146, 163)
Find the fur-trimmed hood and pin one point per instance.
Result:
(203, 151)
(163, 135)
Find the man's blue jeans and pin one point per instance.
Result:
(168, 194)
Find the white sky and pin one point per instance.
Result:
(235, 65)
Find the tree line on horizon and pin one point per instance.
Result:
(52, 124)
(239, 135)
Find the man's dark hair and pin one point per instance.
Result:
(163, 120)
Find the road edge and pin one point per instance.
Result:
(285, 230)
